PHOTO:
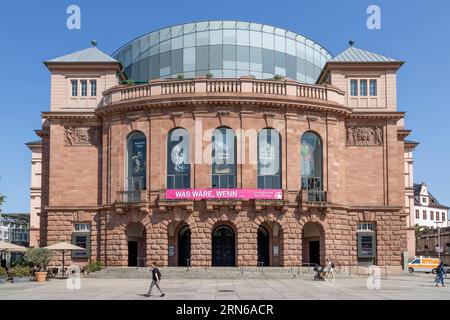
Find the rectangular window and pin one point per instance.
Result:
(74, 88)
(354, 88)
(366, 226)
(443, 216)
(82, 240)
(431, 215)
(366, 245)
(373, 88)
(363, 88)
(93, 88)
(82, 227)
(417, 214)
(83, 88)
(424, 215)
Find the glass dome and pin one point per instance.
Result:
(222, 49)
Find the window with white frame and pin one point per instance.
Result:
(354, 88)
(82, 227)
(83, 88)
(366, 226)
(363, 87)
(74, 87)
(93, 88)
(373, 88)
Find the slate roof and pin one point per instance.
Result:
(91, 54)
(355, 55)
(433, 203)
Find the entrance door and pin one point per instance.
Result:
(223, 247)
(263, 246)
(132, 253)
(314, 252)
(184, 246)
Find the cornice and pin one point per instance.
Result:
(388, 115)
(235, 100)
(60, 115)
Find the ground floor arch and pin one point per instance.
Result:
(136, 244)
(270, 244)
(184, 246)
(179, 244)
(313, 244)
(223, 247)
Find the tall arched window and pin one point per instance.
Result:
(224, 158)
(311, 162)
(269, 159)
(178, 160)
(136, 162)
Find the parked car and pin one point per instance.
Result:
(421, 264)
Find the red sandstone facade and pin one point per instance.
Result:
(84, 146)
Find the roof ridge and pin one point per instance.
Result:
(91, 54)
(354, 54)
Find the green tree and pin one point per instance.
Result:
(2, 200)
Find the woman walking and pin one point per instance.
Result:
(440, 274)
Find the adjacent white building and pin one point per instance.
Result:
(428, 212)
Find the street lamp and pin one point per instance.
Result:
(439, 238)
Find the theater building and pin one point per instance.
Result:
(225, 143)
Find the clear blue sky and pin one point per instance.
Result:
(415, 31)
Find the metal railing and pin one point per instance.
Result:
(141, 262)
(314, 196)
(312, 190)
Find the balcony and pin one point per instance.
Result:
(314, 196)
(244, 87)
(131, 196)
(312, 191)
(128, 200)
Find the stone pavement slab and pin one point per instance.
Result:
(393, 288)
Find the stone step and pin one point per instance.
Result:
(204, 273)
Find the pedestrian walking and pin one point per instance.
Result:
(440, 274)
(330, 269)
(156, 278)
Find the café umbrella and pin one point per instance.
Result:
(10, 247)
(64, 246)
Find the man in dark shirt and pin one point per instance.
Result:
(156, 277)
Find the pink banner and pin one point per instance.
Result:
(210, 194)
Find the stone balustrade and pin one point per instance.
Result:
(243, 86)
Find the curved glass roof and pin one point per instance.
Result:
(223, 49)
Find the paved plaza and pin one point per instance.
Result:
(407, 287)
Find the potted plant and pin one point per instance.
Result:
(39, 258)
(3, 275)
(20, 274)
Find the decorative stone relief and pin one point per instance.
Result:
(82, 136)
(364, 136)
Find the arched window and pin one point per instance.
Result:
(224, 158)
(178, 160)
(136, 162)
(311, 162)
(269, 159)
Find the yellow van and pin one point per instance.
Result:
(421, 264)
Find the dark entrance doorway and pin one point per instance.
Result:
(132, 253)
(314, 252)
(184, 246)
(223, 254)
(263, 246)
